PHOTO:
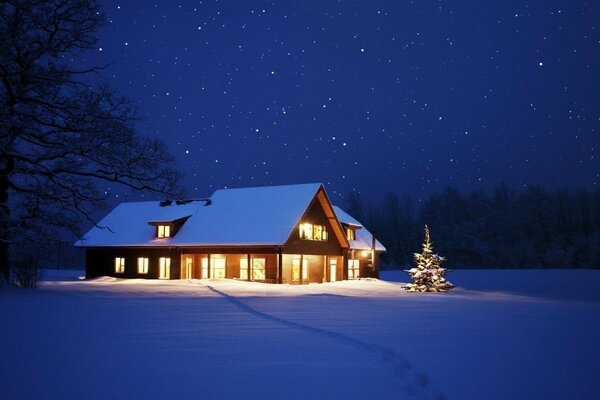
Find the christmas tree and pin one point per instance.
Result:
(428, 275)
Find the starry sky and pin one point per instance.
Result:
(364, 96)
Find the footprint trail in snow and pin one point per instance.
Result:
(414, 384)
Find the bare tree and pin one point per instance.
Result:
(62, 130)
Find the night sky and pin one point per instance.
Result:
(366, 96)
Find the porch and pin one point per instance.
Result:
(268, 268)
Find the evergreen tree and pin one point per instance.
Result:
(428, 275)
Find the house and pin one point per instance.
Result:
(278, 234)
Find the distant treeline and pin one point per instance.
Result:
(501, 229)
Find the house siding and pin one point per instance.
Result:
(101, 262)
(314, 215)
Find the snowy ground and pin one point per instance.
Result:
(500, 335)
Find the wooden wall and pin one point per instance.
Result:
(101, 262)
(314, 215)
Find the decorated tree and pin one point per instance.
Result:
(428, 275)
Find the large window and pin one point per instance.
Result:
(163, 231)
(142, 265)
(164, 266)
(353, 269)
(204, 268)
(313, 232)
(119, 265)
(257, 270)
(187, 272)
(298, 271)
(217, 267)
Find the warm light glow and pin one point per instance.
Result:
(296, 269)
(306, 231)
(205, 268)
(187, 272)
(119, 265)
(350, 234)
(366, 253)
(244, 268)
(217, 267)
(332, 269)
(257, 269)
(353, 269)
(312, 232)
(164, 231)
(142, 265)
(164, 264)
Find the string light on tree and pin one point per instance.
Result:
(428, 275)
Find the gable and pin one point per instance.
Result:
(319, 212)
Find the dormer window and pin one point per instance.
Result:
(313, 232)
(350, 234)
(166, 229)
(163, 231)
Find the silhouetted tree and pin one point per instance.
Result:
(355, 207)
(503, 229)
(62, 130)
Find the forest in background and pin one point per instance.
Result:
(501, 229)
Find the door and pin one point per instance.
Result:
(332, 269)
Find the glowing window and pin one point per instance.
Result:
(188, 270)
(142, 265)
(257, 269)
(244, 268)
(217, 267)
(204, 268)
(298, 271)
(119, 265)
(164, 231)
(312, 232)
(353, 269)
(350, 234)
(164, 266)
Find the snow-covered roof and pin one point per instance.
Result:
(363, 237)
(246, 216)
(346, 218)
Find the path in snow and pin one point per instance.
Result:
(414, 384)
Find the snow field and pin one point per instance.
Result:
(345, 340)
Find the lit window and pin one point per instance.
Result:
(187, 272)
(350, 234)
(306, 231)
(217, 267)
(204, 268)
(119, 265)
(244, 269)
(142, 265)
(257, 270)
(164, 264)
(298, 271)
(353, 269)
(313, 232)
(164, 231)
